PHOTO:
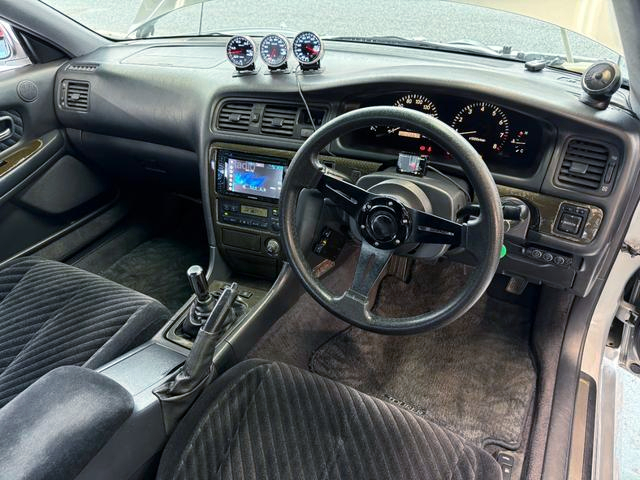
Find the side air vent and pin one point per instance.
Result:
(235, 116)
(74, 95)
(588, 165)
(279, 120)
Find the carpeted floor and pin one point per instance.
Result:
(152, 255)
(158, 268)
(475, 377)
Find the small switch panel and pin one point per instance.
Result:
(545, 256)
(571, 220)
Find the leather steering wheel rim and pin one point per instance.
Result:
(483, 237)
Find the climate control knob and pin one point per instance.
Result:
(273, 247)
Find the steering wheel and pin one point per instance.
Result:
(389, 223)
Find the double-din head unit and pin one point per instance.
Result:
(246, 175)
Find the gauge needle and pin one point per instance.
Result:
(468, 133)
(235, 52)
(311, 49)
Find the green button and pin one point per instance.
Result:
(503, 252)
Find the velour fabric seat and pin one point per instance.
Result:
(268, 420)
(52, 314)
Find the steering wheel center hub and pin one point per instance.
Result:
(383, 226)
(384, 223)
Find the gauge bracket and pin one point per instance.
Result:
(308, 68)
(281, 69)
(246, 71)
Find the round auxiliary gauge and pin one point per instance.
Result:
(308, 49)
(241, 52)
(274, 50)
(602, 78)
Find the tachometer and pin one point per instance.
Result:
(274, 50)
(484, 125)
(308, 49)
(241, 52)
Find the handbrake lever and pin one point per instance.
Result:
(200, 360)
(177, 395)
(220, 310)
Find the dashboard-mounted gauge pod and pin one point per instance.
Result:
(274, 51)
(308, 50)
(600, 82)
(241, 52)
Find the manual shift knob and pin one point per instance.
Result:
(198, 282)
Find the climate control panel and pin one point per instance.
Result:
(262, 217)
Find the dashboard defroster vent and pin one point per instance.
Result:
(235, 116)
(279, 120)
(82, 67)
(588, 165)
(74, 95)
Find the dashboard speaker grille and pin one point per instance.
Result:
(588, 165)
(279, 120)
(235, 116)
(75, 95)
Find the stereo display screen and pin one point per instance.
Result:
(247, 177)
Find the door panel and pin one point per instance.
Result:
(44, 190)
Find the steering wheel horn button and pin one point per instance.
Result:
(384, 223)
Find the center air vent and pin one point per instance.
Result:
(235, 116)
(588, 166)
(279, 120)
(74, 95)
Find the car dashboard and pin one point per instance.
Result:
(176, 111)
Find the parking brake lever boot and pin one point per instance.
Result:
(198, 370)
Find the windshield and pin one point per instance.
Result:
(468, 24)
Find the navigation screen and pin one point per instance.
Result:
(254, 178)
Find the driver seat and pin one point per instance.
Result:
(269, 420)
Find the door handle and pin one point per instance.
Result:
(6, 128)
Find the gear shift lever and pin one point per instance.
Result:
(202, 307)
(198, 282)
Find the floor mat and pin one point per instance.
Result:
(475, 376)
(158, 268)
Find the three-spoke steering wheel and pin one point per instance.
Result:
(387, 224)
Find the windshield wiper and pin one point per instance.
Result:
(457, 46)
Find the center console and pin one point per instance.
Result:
(246, 183)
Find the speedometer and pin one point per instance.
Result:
(417, 102)
(484, 125)
(414, 101)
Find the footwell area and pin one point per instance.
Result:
(476, 376)
(158, 268)
(151, 255)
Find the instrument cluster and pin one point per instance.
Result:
(274, 50)
(507, 140)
